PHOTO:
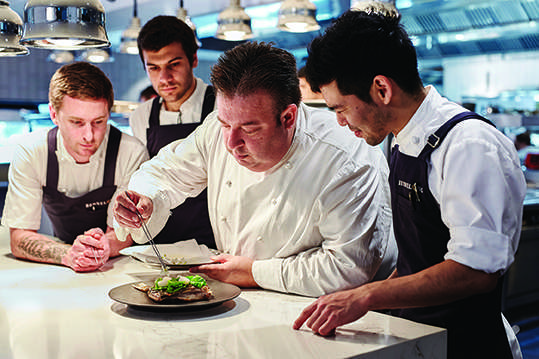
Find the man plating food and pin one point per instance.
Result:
(278, 175)
(73, 170)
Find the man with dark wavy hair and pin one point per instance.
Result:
(278, 175)
(456, 186)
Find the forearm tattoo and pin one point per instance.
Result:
(41, 250)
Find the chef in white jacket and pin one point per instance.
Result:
(297, 204)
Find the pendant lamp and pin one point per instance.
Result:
(182, 15)
(10, 32)
(128, 44)
(96, 55)
(64, 24)
(233, 23)
(61, 56)
(297, 16)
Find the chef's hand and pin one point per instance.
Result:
(331, 311)
(229, 269)
(89, 251)
(125, 209)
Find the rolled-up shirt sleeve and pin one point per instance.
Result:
(481, 198)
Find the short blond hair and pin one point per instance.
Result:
(80, 80)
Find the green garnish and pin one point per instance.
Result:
(196, 281)
(174, 284)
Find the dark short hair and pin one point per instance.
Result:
(359, 46)
(164, 30)
(302, 73)
(254, 66)
(80, 80)
(524, 137)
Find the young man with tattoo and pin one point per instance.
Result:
(73, 171)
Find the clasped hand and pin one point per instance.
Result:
(89, 251)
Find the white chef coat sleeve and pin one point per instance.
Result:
(176, 173)
(24, 196)
(355, 223)
(481, 198)
(131, 154)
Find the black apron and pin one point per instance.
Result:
(73, 216)
(190, 219)
(474, 324)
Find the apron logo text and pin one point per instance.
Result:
(97, 204)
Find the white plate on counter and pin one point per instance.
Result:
(179, 255)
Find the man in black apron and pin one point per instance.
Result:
(167, 48)
(443, 275)
(70, 154)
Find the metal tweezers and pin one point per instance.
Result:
(149, 237)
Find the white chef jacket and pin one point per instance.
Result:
(190, 110)
(318, 222)
(28, 175)
(480, 194)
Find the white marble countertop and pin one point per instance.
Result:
(49, 311)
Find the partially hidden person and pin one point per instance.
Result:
(168, 50)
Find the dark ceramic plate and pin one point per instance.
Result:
(126, 294)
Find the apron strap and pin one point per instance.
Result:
(437, 137)
(109, 173)
(113, 145)
(52, 160)
(209, 102)
(154, 112)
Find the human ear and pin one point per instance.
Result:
(195, 61)
(288, 116)
(381, 90)
(53, 114)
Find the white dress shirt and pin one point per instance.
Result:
(28, 175)
(480, 194)
(318, 222)
(190, 110)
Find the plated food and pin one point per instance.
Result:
(138, 299)
(180, 288)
